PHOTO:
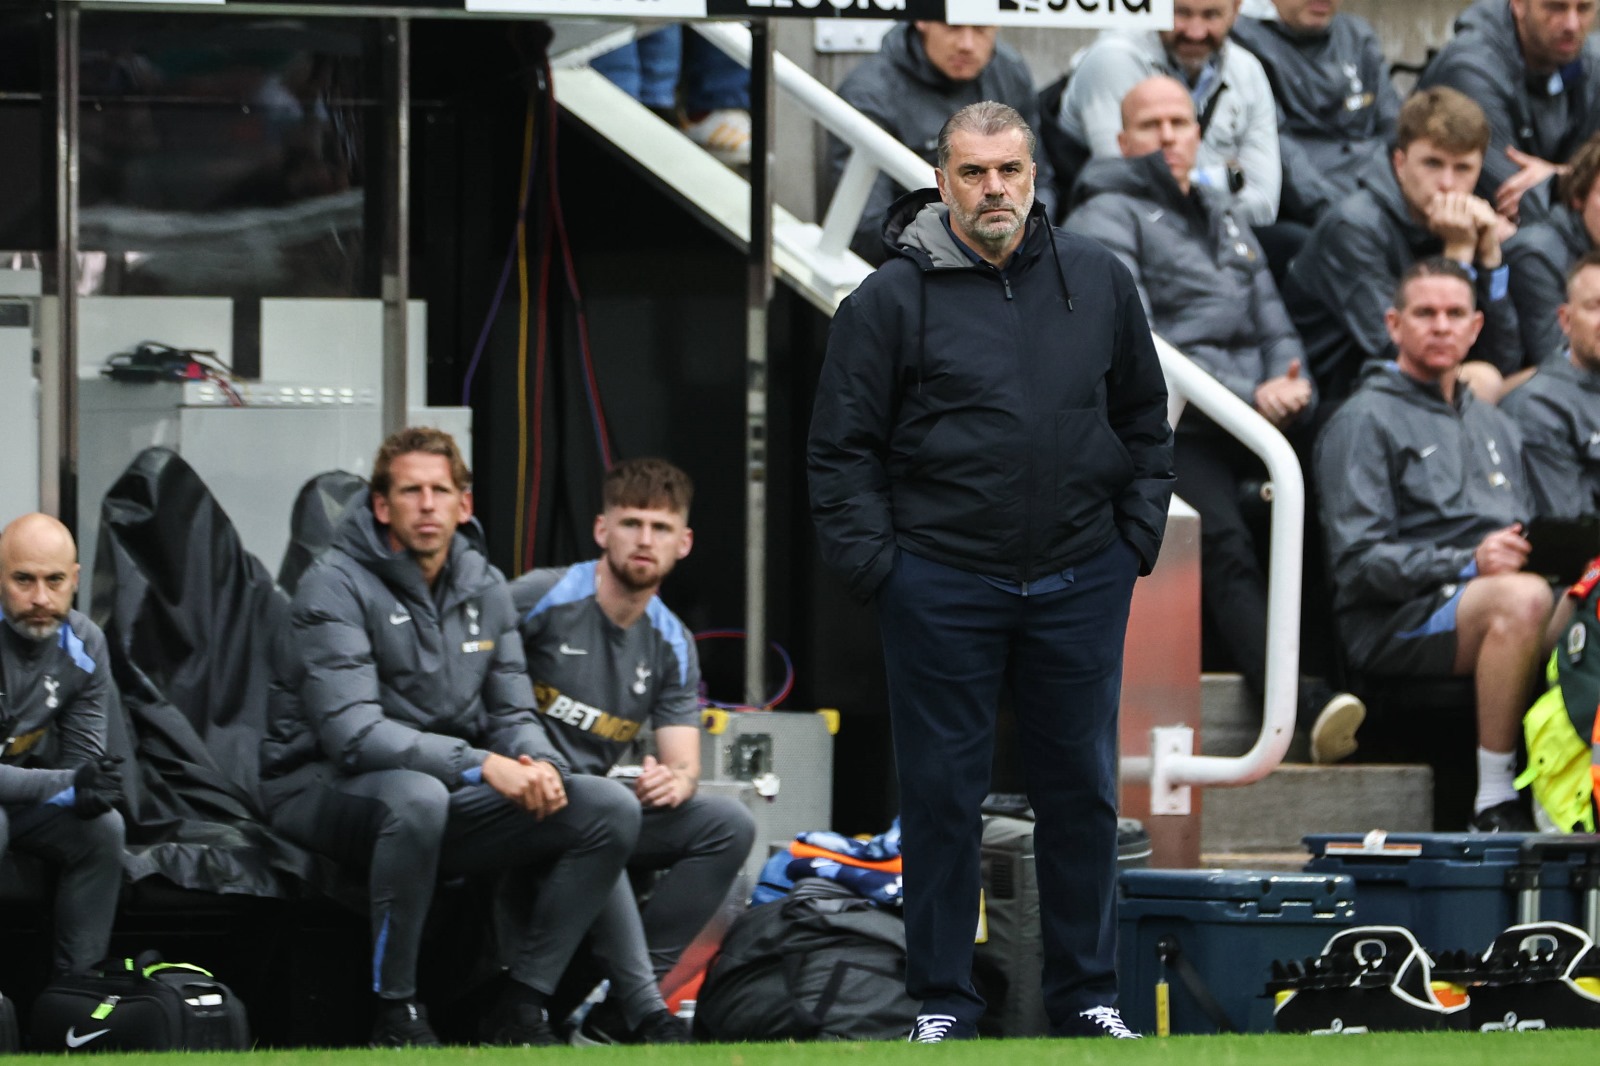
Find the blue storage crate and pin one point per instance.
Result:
(1231, 925)
(1452, 890)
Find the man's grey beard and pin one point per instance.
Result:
(35, 630)
(972, 226)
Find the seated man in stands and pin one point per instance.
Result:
(1419, 206)
(607, 658)
(1532, 68)
(1238, 118)
(923, 73)
(1558, 410)
(1207, 291)
(402, 740)
(1424, 501)
(1542, 253)
(1337, 107)
(58, 787)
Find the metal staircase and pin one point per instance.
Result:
(815, 259)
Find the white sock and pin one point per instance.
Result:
(1496, 771)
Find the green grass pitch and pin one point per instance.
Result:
(1554, 1048)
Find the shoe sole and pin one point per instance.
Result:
(1333, 735)
(579, 1039)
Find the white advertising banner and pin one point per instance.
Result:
(639, 9)
(1121, 14)
(1075, 14)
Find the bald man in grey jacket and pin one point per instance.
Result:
(57, 786)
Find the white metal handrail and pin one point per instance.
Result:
(1173, 766)
(872, 148)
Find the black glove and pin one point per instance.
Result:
(97, 787)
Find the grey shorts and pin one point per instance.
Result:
(1416, 639)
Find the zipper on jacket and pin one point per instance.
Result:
(1006, 282)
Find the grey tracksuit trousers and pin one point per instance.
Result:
(408, 829)
(700, 845)
(88, 855)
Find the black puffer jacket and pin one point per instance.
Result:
(1005, 423)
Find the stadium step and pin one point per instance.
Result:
(1273, 814)
(1262, 824)
(1229, 720)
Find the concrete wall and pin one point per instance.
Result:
(1409, 29)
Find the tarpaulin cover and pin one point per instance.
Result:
(190, 618)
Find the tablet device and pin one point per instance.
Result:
(1562, 547)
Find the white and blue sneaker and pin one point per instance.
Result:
(1099, 1021)
(937, 1028)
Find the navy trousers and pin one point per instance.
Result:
(951, 640)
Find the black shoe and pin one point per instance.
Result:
(517, 1025)
(1096, 1021)
(403, 1023)
(1509, 817)
(662, 1027)
(605, 1025)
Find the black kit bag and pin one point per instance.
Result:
(10, 1041)
(823, 963)
(141, 1004)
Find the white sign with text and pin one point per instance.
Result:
(641, 9)
(1120, 14)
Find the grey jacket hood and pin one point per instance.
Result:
(1147, 177)
(1492, 19)
(1385, 188)
(365, 540)
(377, 671)
(903, 48)
(926, 231)
(915, 227)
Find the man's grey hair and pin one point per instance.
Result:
(985, 118)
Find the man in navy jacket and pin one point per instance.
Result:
(990, 461)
